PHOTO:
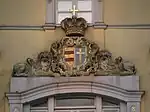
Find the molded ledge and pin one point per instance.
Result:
(97, 25)
(26, 83)
(49, 26)
(100, 25)
(52, 26)
(74, 85)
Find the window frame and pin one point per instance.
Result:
(74, 2)
(119, 106)
(97, 18)
(56, 11)
(75, 97)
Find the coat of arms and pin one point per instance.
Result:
(74, 55)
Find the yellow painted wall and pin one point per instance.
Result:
(132, 44)
(22, 12)
(126, 11)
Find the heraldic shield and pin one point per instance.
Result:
(75, 57)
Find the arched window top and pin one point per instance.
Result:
(111, 105)
(74, 100)
(109, 101)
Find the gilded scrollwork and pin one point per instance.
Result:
(97, 61)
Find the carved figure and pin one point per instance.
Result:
(125, 67)
(119, 64)
(44, 61)
(21, 69)
(105, 61)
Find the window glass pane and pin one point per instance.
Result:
(75, 102)
(62, 111)
(64, 5)
(62, 16)
(106, 103)
(85, 5)
(86, 15)
(110, 110)
(40, 103)
(88, 110)
(39, 110)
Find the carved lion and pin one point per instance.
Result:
(21, 69)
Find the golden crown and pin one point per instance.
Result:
(74, 26)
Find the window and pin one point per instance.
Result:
(75, 103)
(108, 106)
(62, 9)
(78, 101)
(57, 10)
(40, 105)
(84, 8)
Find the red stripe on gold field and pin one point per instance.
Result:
(69, 55)
(69, 59)
(69, 49)
(69, 52)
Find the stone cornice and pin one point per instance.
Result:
(21, 27)
(54, 26)
(74, 86)
(129, 26)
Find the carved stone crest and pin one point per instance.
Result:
(74, 55)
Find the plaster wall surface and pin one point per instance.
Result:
(126, 12)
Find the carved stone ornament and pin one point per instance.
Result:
(16, 109)
(133, 108)
(74, 26)
(74, 55)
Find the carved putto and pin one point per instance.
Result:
(74, 55)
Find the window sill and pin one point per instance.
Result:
(53, 26)
(99, 25)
